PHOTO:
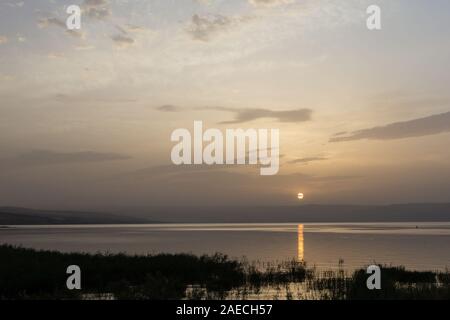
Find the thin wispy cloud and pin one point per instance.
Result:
(307, 160)
(52, 21)
(269, 3)
(172, 170)
(94, 9)
(250, 114)
(97, 9)
(45, 22)
(3, 39)
(168, 108)
(431, 125)
(407, 100)
(203, 28)
(48, 157)
(247, 115)
(127, 34)
(122, 41)
(18, 4)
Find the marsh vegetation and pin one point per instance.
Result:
(32, 274)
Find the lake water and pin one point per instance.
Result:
(421, 246)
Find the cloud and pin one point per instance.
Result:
(204, 2)
(131, 28)
(94, 9)
(246, 115)
(46, 157)
(340, 133)
(431, 125)
(76, 34)
(406, 100)
(269, 3)
(45, 22)
(90, 97)
(52, 21)
(56, 55)
(204, 27)
(95, 3)
(189, 171)
(18, 4)
(3, 40)
(97, 9)
(240, 185)
(84, 47)
(307, 160)
(128, 33)
(168, 108)
(122, 41)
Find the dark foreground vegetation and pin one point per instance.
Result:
(32, 274)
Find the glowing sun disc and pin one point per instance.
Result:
(301, 196)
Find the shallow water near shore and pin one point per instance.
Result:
(418, 246)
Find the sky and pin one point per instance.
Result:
(86, 115)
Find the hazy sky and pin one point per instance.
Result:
(86, 116)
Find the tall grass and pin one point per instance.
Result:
(33, 274)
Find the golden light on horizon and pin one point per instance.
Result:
(300, 196)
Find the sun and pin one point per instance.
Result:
(300, 196)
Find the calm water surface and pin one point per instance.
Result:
(422, 246)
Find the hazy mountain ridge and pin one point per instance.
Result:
(301, 213)
(22, 216)
(226, 214)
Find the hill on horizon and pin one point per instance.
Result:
(25, 216)
(421, 212)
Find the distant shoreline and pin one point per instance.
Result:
(416, 224)
(309, 213)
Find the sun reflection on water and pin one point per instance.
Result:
(300, 244)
